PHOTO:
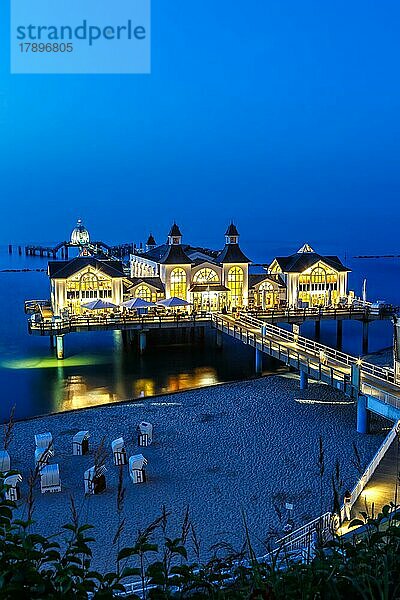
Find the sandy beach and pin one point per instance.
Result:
(217, 450)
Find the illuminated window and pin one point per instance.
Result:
(205, 276)
(178, 283)
(143, 292)
(235, 284)
(89, 281)
(318, 275)
(267, 287)
(267, 296)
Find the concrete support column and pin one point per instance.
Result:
(303, 380)
(201, 334)
(142, 342)
(365, 337)
(355, 380)
(51, 340)
(218, 339)
(339, 335)
(317, 331)
(258, 361)
(125, 338)
(60, 346)
(363, 415)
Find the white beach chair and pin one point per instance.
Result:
(13, 491)
(95, 483)
(5, 462)
(137, 464)
(119, 452)
(80, 443)
(44, 440)
(42, 456)
(145, 434)
(50, 479)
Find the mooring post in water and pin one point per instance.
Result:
(142, 342)
(365, 337)
(339, 334)
(303, 380)
(60, 346)
(258, 357)
(363, 415)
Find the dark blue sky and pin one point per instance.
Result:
(283, 115)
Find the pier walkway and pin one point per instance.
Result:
(383, 487)
(273, 316)
(372, 386)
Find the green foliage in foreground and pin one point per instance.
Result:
(33, 566)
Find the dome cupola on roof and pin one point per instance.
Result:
(306, 249)
(80, 235)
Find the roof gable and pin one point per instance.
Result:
(67, 268)
(300, 262)
(175, 255)
(232, 254)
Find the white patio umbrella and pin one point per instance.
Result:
(172, 302)
(137, 303)
(98, 305)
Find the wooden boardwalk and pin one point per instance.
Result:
(381, 489)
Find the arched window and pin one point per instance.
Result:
(318, 275)
(89, 286)
(89, 281)
(143, 292)
(268, 297)
(205, 276)
(266, 287)
(178, 283)
(235, 284)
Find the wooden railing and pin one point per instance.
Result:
(372, 466)
(62, 326)
(320, 313)
(319, 350)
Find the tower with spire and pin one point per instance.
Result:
(151, 243)
(175, 265)
(235, 267)
(175, 235)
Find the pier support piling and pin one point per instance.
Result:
(142, 342)
(125, 338)
(317, 331)
(258, 361)
(51, 340)
(218, 339)
(339, 335)
(303, 380)
(355, 381)
(365, 337)
(60, 346)
(363, 415)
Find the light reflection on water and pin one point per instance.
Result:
(98, 370)
(75, 391)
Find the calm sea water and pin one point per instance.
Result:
(98, 370)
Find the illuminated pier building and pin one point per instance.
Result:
(211, 280)
(312, 279)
